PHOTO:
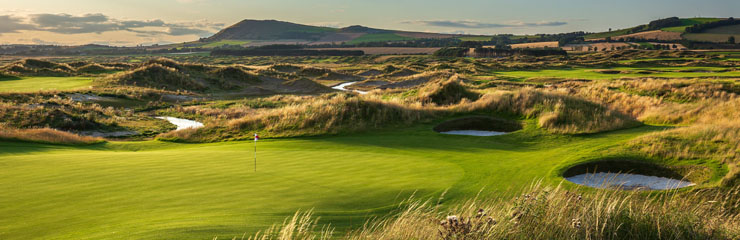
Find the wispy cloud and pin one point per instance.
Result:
(471, 24)
(100, 23)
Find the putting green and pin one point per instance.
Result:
(154, 190)
(35, 84)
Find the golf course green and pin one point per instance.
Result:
(151, 189)
(35, 84)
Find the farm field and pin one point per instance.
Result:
(34, 84)
(224, 43)
(719, 34)
(154, 189)
(378, 37)
(389, 50)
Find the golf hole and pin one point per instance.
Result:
(478, 126)
(626, 175)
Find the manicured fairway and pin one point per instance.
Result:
(34, 84)
(592, 74)
(155, 190)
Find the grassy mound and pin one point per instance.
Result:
(336, 113)
(718, 142)
(4, 76)
(325, 115)
(235, 73)
(285, 68)
(34, 67)
(46, 135)
(93, 68)
(447, 92)
(556, 112)
(19, 117)
(155, 76)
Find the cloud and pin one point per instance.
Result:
(100, 23)
(11, 24)
(470, 24)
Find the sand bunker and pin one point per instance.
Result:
(474, 133)
(182, 123)
(626, 175)
(628, 181)
(343, 86)
(478, 126)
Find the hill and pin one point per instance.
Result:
(270, 30)
(260, 32)
(673, 29)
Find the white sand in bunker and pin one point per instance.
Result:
(478, 133)
(182, 123)
(628, 181)
(480, 126)
(343, 87)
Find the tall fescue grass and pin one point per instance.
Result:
(708, 111)
(450, 91)
(46, 135)
(543, 212)
(337, 113)
(718, 141)
(557, 113)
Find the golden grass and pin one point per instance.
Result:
(542, 212)
(557, 113)
(337, 113)
(46, 135)
(450, 91)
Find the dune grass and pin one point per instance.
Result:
(594, 74)
(46, 135)
(35, 84)
(544, 212)
(155, 189)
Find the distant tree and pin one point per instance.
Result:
(731, 40)
(610, 29)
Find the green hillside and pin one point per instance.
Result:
(685, 22)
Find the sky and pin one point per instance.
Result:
(146, 22)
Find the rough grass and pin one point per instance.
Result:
(46, 135)
(451, 91)
(542, 212)
(155, 76)
(340, 113)
(556, 112)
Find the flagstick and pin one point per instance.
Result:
(255, 154)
